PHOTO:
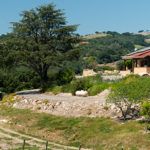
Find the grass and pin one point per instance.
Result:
(96, 133)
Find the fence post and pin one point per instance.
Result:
(24, 142)
(80, 147)
(46, 145)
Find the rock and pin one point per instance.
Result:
(25, 101)
(15, 105)
(140, 119)
(113, 107)
(81, 93)
(3, 121)
(58, 103)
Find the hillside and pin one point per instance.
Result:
(111, 47)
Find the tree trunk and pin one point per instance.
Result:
(44, 78)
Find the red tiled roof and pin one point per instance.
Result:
(139, 54)
(142, 55)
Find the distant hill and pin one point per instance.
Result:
(108, 47)
(145, 33)
(93, 36)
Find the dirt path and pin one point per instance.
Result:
(64, 97)
(17, 139)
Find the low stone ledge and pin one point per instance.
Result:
(34, 91)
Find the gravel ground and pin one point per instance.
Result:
(65, 104)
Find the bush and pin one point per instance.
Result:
(120, 65)
(65, 76)
(97, 88)
(80, 84)
(18, 79)
(129, 91)
(133, 87)
(128, 63)
(102, 68)
(56, 89)
(146, 109)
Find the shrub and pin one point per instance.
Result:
(128, 63)
(129, 91)
(18, 79)
(102, 68)
(146, 109)
(81, 84)
(65, 75)
(120, 65)
(146, 112)
(56, 89)
(97, 88)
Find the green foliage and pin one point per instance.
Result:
(97, 88)
(18, 79)
(129, 88)
(120, 65)
(146, 109)
(128, 63)
(40, 41)
(65, 76)
(90, 62)
(93, 85)
(132, 89)
(103, 68)
(44, 40)
(111, 47)
(56, 89)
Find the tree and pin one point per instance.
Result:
(43, 39)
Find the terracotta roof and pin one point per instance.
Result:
(142, 53)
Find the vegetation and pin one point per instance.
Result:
(146, 109)
(93, 133)
(111, 47)
(44, 39)
(131, 90)
(40, 42)
(93, 85)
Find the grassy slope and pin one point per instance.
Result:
(93, 36)
(97, 133)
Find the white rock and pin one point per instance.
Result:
(113, 107)
(25, 101)
(3, 121)
(81, 93)
(15, 104)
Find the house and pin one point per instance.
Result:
(140, 62)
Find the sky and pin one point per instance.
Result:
(90, 15)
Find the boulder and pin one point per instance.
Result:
(81, 93)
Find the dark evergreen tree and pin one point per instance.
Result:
(44, 39)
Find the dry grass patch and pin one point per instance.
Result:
(96, 133)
